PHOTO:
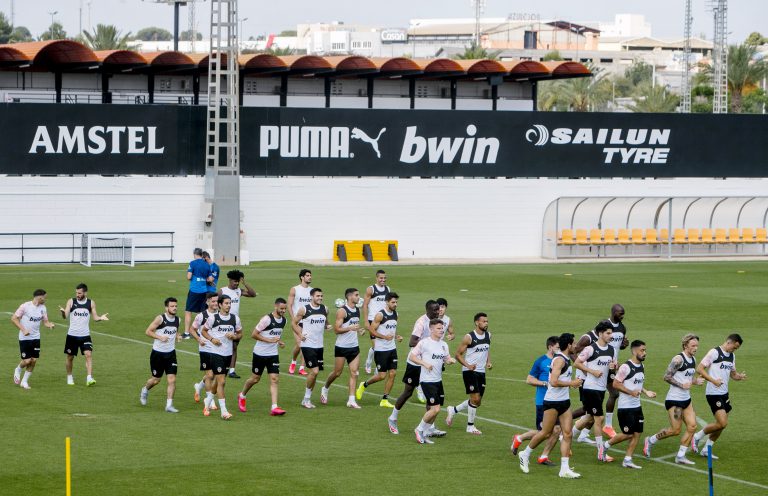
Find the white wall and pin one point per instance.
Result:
(298, 218)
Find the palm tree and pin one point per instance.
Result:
(106, 37)
(586, 94)
(654, 99)
(744, 72)
(475, 52)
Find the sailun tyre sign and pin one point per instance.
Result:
(170, 140)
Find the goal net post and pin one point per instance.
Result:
(104, 249)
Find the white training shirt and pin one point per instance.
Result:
(592, 340)
(719, 365)
(435, 353)
(80, 318)
(218, 326)
(197, 325)
(387, 327)
(349, 338)
(684, 375)
(632, 376)
(234, 295)
(377, 302)
(313, 326)
(477, 351)
(301, 297)
(268, 327)
(446, 322)
(559, 393)
(617, 337)
(168, 327)
(597, 358)
(421, 330)
(30, 316)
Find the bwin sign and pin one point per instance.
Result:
(446, 150)
(97, 140)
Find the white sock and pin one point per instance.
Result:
(307, 394)
(71, 379)
(627, 458)
(697, 437)
(168, 402)
(201, 383)
(208, 399)
(599, 440)
(681, 452)
(301, 367)
(575, 432)
(709, 443)
(241, 394)
(351, 398)
(462, 406)
(223, 405)
(231, 370)
(471, 414)
(18, 370)
(423, 426)
(564, 465)
(144, 390)
(293, 362)
(527, 451)
(609, 419)
(393, 416)
(88, 378)
(324, 391)
(607, 444)
(26, 377)
(274, 405)
(584, 434)
(653, 439)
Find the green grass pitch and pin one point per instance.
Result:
(122, 448)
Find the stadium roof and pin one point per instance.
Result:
(70, 56)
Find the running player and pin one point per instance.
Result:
(27, 319)
(431, 354)
(79, 311)
(629, 382)
(680, 375)
(309, 323)
(450, 334)
(205, 348)
(557, 407)
(199, 276)
(215, 271)
(619, 341)
(268, 335)
(584, 341)
(596, 360)
(539, 378)
(164, 329)
(474, 354)
(383, 329)
(221, 329)
(236, 288)
(299, 297)
(717, 367)
(413, 371)
(373, 303)
(347, 349)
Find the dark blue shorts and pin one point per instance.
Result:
(195, 302)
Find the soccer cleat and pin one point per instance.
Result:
(143, 397)
(353, 405)
(600, 453)
(386, 404)
(226, 416)
(24, 385)
(213, 406)
(393, 426)
(276, 412)
(703, 454)
(302, 371)
(307, 404)
(17, 376)
(435, 433)
(292, 368)
(360, 390)
(646, 448)
(171, 409)
(420, 395)
(241, 402)
(449, 417)
(70, 382)
(544, 460)
(323, 398)
(694, 445)
(471, 429)
(197, 392)
(681, 460)
(608, 431)
(630, 464)
(186, 335)
(90, 382)
(420, 437)
(586, 440)
(567, 473)
(523, 462)
(233, 375)
(206, 412)
(516, 442)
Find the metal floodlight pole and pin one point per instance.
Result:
(685, 90)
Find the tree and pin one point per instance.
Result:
(475, 52)
(106, 37)
(20, 34)
(153, 33)
(187, 35)
(288, 32)
(744, 72)
(585, 94)
(655, 99)
(553, 55)
(5, 29)
(755, 39)
(55, 32)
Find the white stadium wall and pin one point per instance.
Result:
(298, 218)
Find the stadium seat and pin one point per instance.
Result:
(733, 236)
(650, 237)
(664, 235)
(747, 235)
(761, 236)
(637, 237)
(679, 237)
(566, 238)
(609, 237)
(720, 236)
(624, 237)
(596, 237)
(581, 237)
(706, 236)
(693, 237)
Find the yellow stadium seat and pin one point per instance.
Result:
(693, 237)
(679, 237)
(596, 237)
(581, 237)
(637, 237)
(650, 237)
(664, 235)
(733, 235)
(609, 237)
(567, 237)
(624, 237)
(706, 236)
(761, 236)
(720, 236)
(747, 235)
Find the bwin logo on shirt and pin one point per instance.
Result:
(317, 321)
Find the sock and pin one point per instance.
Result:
(527, 451)
(627, 458)
(231, 370)
(351, 398)
(564, 463)
(599, 440)
(607, 444)
(461, 407)
(584, 434)
(293, 362)
(575, 432)
(88, 378)
(307, 394)
(168, 402)
(301, 367)
(653, 439)
(709, 443)
(72, 379)
(471, 415)
(385, 396)
(208, 399)
(26, 377)
(241, 394)
(274, 405)
(324, 391)
(609, 419)
(223, 405)
(393, 416)
(681, 452)
(144, 390)
(697, 437)
(201, 384)
(423, 426)
(18, 370)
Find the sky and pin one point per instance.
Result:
(665, 16)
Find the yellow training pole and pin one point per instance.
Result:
(69, 477)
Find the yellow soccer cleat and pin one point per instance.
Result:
(360, 391)
(386, 404)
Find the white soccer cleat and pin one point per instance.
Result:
(70, 382)
(586, 440)
(420, 437)
(567, 473)
(17, 376)
(24, 385)
(143, 395)
(681, 460)
(350, 404)
(630, 464)
(703, 454)
(171, 409)
(523, 462)
(435, 433)
(307, 404)
(393, 426)
(471, 429)
(449, 417)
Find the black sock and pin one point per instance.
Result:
(385, 397)
(365, 384)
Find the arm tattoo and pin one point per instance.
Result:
(674, 365)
